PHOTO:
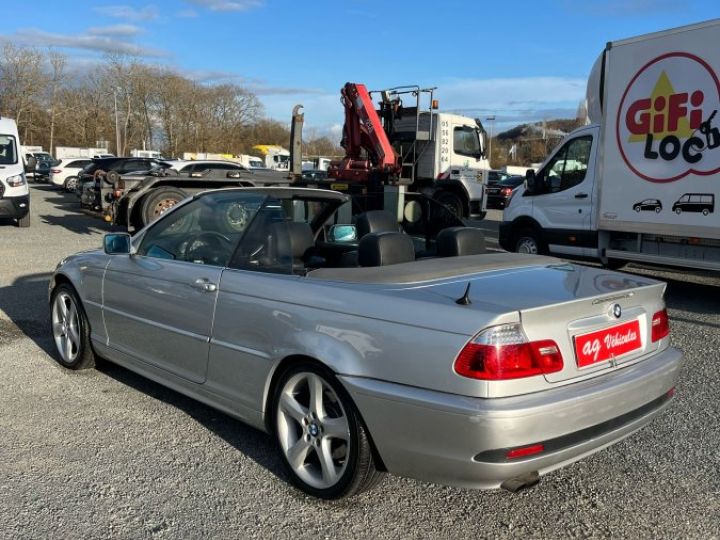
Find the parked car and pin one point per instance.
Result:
(65, 173)
(314, 174)
(495, 176)
(498, 195)
(272, 306)
(204, 167)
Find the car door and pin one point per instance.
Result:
(564, 206)
(159, 301)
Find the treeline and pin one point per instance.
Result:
(152, 107)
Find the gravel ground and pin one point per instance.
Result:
(107, 454)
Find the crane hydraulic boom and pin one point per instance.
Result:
(368, 151)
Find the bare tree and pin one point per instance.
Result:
(57, 70)
(21, 82)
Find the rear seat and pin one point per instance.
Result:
(458, 241)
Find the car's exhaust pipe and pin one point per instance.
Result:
(513, 485)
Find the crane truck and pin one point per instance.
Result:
(438, 154)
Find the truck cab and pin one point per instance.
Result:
(553, 211)
(14, 192)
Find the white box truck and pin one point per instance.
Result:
(643, 184)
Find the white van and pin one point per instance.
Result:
(14, 192)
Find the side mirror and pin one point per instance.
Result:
(116, 243)
(342, 233)
(533, 182)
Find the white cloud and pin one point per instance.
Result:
(118, 30)
(104, 44)
(130, 13)
(228, 5)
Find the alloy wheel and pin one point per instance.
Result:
(66, 327)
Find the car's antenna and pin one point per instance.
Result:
(464, 300)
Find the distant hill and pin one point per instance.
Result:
(552, 129)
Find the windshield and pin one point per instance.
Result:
(8, 150)
(466, 141)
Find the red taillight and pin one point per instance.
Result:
(660, 325)
(525, 451)
(503, 352)
(56, 171)
(506, 191)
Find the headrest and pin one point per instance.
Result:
(383, 248)
(297, 233)
(374, 221)
(456, 241)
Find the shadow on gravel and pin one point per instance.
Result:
(75, 219)
(255, 444)
(25, 303)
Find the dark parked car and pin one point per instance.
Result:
(652, 205)
(498, 195)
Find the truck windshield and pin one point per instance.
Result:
(466, 141)
(8, 150)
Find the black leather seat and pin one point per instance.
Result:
(293, 239)
(384, 248)
(457, 241)
(374, 221)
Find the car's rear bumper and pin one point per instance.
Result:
(462, 441)
(14, 207)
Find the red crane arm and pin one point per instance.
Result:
(363, 130)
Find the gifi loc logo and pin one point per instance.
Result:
(666, 123)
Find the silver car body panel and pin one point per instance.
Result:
(391, 335)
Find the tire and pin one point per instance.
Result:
(158, 201)
(658, 209)
(70, 184)
(678, 211)
(70, 329)
(453, 201)
(705, 212)
(322, 465)
(24, 221)
(528, 241)
(636, 208)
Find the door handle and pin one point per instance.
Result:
(581, 195)
(204, 285)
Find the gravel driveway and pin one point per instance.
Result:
(107, 454)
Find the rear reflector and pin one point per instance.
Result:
(525, 451)
(503, 352)
(660, 325)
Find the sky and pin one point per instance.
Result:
(519, 61)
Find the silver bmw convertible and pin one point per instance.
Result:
(362, 349)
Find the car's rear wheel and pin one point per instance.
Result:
(71, 183)
(322, 441)
(71, 329)
(159, 201)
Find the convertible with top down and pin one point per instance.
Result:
(363, 349)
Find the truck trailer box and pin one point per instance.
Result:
(658, 169)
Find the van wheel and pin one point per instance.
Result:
(705, 211)
(528, 241)
(678, 211)
(24, 221)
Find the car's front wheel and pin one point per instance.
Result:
(71, 329)
(71, 183)
(322, 441)
(528, 241)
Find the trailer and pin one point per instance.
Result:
(643, 183)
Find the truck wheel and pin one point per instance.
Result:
(159, 201)
(452, 201)
(24, 221)
(112, 177)
(528, 241)
(71, 184)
